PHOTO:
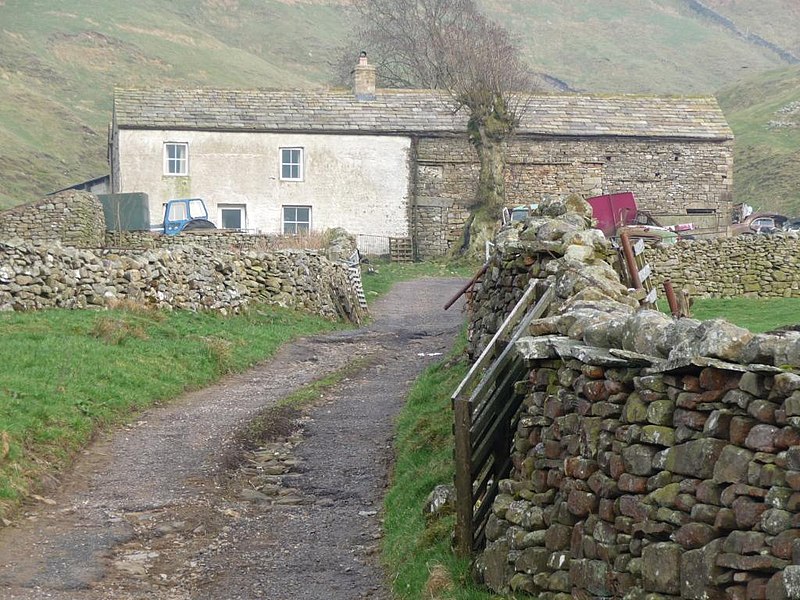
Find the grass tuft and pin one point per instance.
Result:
(439, 582)
(115, 331)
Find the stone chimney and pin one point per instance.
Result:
(364, 79)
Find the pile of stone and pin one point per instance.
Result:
(184, 277)
(556, 244)
(653, 458)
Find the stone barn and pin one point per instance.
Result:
(397, 163)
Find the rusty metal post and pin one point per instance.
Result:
(630, 260)
(672, 299)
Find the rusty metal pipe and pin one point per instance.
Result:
(672, 299)
(630, 260)
(466, 287)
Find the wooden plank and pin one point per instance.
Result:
(487, 355)
(536, 312)
(463, 457)
(480, 421)
(485, 445)
(463, 408)
(645, 272)
(479, 488)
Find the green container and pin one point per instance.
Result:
(126, 212)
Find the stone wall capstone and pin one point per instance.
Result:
(653, 458)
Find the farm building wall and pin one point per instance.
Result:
(679, 181)
(357, 182)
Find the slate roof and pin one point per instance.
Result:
(411, 112)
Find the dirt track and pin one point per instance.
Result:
(169, 508)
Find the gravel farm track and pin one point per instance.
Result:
(175, 506)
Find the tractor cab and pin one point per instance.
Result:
(185, 214)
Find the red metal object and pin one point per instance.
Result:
(467, 287)
(613, 211)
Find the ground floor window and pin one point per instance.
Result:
(296, 220)
(232, 216)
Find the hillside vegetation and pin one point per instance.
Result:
(59, 63)
(764, 113)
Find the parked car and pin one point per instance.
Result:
(759, 223)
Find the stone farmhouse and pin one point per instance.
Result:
(397, 163)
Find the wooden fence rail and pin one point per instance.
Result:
(485, 408)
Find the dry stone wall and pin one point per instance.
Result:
(746, 265)
(184, 277)
(73, 218)
(217, 239)
(653, 458)
(56, 253)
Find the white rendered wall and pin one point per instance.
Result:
(358, 182)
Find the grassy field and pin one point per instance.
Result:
(417, 550)
(766, 156)
(66, 374)
(756, 314)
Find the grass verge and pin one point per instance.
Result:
(417, 549)
(66, 374)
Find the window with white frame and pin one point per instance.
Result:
(232, 216)
(292, 164)
(296, 220)
(176, 158)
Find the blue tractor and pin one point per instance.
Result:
(186, 214)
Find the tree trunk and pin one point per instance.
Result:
(491, 180)
(487, 133)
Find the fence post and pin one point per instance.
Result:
(463, 455)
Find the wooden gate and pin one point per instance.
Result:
(486, 406)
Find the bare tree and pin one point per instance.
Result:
(450, 45)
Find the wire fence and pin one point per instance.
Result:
(373, 246)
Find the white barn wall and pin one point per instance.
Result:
(358, 182)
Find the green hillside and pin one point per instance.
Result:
(60, 60)
(764, 113)
(632, 45)
(59, 63)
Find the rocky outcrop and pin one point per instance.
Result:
(652, 458)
